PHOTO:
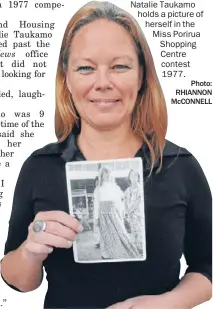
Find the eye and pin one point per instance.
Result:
(121, 67)
(84, 69)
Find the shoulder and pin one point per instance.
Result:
(49, 150)
(183, 161)
(173, 150)
(181, 155)
(175, 155)
(43, 158)
(127, 190)
(179, 160)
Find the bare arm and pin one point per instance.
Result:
(22, 268)
(21, 271)
(17, 268)
(193, 290)
(26, 250)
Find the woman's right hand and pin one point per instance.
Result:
(61, 230)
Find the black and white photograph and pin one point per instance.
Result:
(107, 198)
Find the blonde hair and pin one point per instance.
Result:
(103, 171)
(149, 117)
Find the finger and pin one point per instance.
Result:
(121, 305)
(61, 217)
(58, 229)
(37, 248)
(51, 240)
(131, 302)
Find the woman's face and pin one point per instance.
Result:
(133, 177)
(106, 176)
(103, 74)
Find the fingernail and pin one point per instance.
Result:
(69, 243)
(80, 228)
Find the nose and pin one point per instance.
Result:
(102, 79)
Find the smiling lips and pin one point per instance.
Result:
(104, 101)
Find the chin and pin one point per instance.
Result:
(106, 125)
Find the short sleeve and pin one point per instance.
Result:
(198, 234)
(22, 208)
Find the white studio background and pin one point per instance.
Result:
(190, 126)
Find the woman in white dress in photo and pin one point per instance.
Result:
(114, 239)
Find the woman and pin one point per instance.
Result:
(114, 240)
(110, 105)
(133, 197)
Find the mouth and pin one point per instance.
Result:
(105, 101)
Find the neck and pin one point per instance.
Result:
(118, 143)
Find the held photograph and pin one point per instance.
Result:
(107, 198)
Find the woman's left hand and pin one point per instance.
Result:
(163, 301)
